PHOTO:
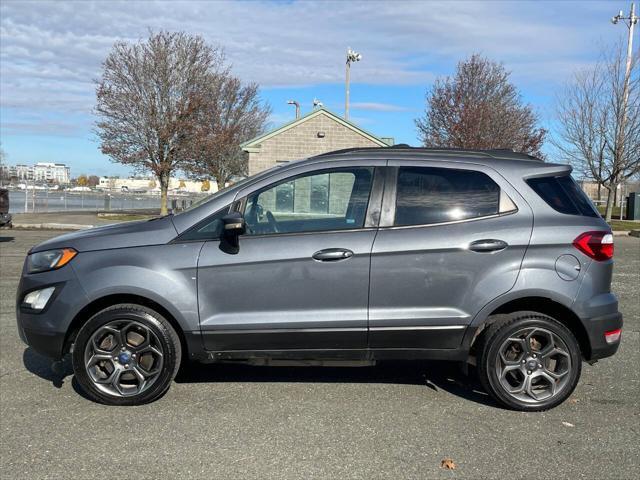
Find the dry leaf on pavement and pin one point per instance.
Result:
(448, 464)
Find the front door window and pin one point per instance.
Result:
(322, 201)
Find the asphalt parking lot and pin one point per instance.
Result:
(389, 421)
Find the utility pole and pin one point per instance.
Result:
(630, 22)
(351, 57)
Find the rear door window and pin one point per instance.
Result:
(564, 195)
(428, 195)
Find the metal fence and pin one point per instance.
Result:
(43, 201)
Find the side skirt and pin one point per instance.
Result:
(349, 358)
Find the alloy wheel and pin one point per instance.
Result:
(123, 358)
(533, 365)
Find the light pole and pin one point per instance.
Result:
(351, 57)
(630, 22)
(293, 102)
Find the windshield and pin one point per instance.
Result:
(215, 195)
(230, 188)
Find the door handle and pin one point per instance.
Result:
(332, 254)
(488, 245)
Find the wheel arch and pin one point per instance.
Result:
(106, 301)
(536, 303)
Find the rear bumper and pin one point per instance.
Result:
(596, 328)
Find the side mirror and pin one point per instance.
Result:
(234, 226)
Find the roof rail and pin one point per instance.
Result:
(503, 153)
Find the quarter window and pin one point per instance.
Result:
(563, 195)
(427, 195)
(208, 229)
(328, 200)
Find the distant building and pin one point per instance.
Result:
(151, 185)
(22, 172)
(51, 173)
(57, 173)
(319, 131)
(590, 187)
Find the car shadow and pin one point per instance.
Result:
(437, 376)
(45, 368)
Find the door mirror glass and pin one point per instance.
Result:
(234, 224)
(233, 227)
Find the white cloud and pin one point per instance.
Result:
(51, 51)
(378, 107)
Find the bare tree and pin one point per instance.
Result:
(93, 180)
(148, 100)
(479, 108)
(232, 113)
(596, 134)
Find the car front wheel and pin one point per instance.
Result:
(126, 355)
(529, 361)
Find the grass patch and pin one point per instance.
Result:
(623, 225)
(125, 217)
(615, 213)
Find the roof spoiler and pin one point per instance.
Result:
(549, 170)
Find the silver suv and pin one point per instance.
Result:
(492, 258)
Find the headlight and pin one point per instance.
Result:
(49, 259)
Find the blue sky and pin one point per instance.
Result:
(51, 52)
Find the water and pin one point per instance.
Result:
(60, 201)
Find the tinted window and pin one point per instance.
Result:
(428, 195)
(327, 200)
(563, 195)
(208, 229)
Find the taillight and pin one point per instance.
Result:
(613, 336)
(596, 245)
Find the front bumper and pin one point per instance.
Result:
(49, 344)
(46, 331)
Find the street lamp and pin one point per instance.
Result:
(351, 57)
(293, 102)
(629, 21)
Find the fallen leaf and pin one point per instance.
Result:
(567, 424)
(573, 400)
(447, 464)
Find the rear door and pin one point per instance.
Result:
(452, 237)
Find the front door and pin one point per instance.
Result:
(300, 279)
(451, 239)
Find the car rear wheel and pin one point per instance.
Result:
(126, 355)
(529, 361)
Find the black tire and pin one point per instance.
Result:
(165, 342)
(491, 365)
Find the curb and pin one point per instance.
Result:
(51, 226)
(620, 233)
(634, 233)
